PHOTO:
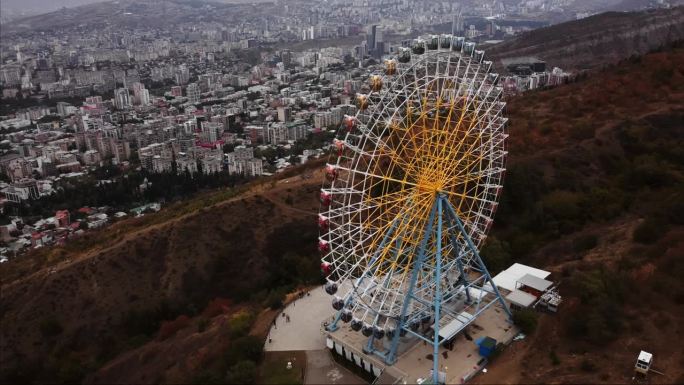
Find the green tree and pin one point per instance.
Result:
(526, 320)
(244, 372)
(50, 327)
(240, 323)
(496, 255)
(244, 348)
(648, 231)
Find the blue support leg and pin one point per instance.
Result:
(417, 265)
(438, 293)
(476, 255)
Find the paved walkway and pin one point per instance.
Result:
(303, 332)
(321, 369)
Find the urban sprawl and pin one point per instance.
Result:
(111, 108)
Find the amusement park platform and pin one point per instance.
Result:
(414, 362)
(305, 331)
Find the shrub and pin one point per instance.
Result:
(240, 323)
(496, 255)
(526, 320)
(50, 327)
(202, 325)
(599, 317)
(582, 130)
(70, 371)
(275, 300)
(587, 366)
(602, 204)
(648, 231)
(585, 242)
(244, 372)
(522, 244)
(215, 307)
(562, 205)
(554, 358)
(206, 378)
(169, 328)
(244, 348)
(650, 171)
(137, 341)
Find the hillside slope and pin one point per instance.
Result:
(126, 280)
(594, 192)
(594, 41)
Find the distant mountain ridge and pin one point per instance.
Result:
(597, 40)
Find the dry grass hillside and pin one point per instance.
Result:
(597, 40)
(130, 277)
(594, 192)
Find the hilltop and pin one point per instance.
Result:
(131, 14)
(597, 40)
(594, 193)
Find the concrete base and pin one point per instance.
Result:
(413, 362)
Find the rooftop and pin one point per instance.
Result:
(520, 298)
(507, 279)
(536, 283)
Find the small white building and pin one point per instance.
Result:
(524, 286)
(644, 361)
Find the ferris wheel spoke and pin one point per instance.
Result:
(435, 127)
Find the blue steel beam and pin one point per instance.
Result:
(476, 255)
(417, 265)
(438, 293)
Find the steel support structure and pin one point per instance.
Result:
(449, 226)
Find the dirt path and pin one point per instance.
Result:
(507, 370)
(287, 207)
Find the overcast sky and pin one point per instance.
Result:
(39, 6)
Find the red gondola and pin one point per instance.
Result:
(323, 223)
(495, 205)
(323, 246)
(339, 145)
(326, 268)
(488, 225)
(498, 191)
(331, 172)
(326, 198)
(349, 122)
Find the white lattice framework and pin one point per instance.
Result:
(430, 123)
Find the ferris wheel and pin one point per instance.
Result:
(410, 195)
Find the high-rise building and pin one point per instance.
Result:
(176, 91)
(371, 37)
(286, 57)
(284, 114)
(62, 108)
(141, 96)
(182, 75)
(10, 75)
(193, 92)
(122, 98)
